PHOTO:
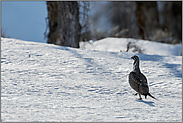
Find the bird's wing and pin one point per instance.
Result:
(144, 89)
(143, 78)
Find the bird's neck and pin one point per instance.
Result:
(136, 67)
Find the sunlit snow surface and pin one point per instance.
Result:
(43, 82)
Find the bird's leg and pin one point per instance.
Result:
(145, 96)
(140, 97)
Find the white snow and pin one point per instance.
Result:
(120, 44)
(44, 82)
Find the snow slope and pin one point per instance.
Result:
(120, 44)
(44, 82)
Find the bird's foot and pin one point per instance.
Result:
(140, 99)
(135, 94)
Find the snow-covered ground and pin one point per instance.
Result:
(44, 82)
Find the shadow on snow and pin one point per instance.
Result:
(150, 103)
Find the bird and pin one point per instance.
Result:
(138, 81)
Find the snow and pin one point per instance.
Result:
(44, 82)
(120, 44)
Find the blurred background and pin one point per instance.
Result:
(68, 23)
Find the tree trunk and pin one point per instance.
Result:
(140, 19)
(172, 19)
(147, 18)
(64, 26)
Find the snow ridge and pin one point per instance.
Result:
(120, 44)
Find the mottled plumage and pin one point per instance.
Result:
(138, 81)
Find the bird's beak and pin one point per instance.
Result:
(132, 57)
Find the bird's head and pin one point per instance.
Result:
(136, 63)
(135, 57)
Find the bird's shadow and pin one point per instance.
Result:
(150, 103)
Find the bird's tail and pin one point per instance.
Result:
(151, 96)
